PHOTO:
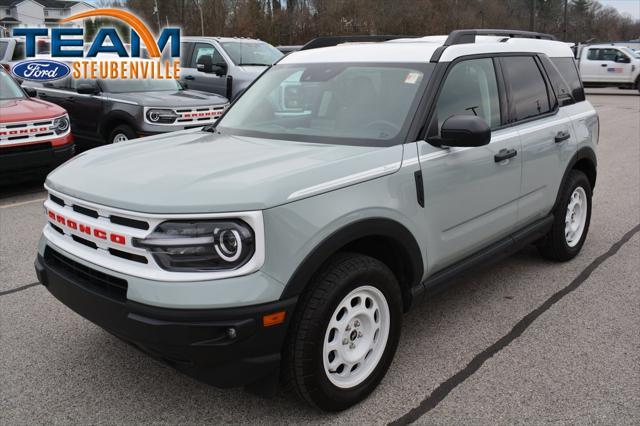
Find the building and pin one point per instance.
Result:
(36, 13)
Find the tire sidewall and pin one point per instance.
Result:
(123, 128)
(329, 395)
(578, 179)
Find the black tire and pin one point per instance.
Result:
(303, 368)
(554, 245)
(124, 129)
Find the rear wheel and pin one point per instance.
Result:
(345, 333)
(572, 216)
(122, 133)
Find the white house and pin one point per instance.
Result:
(37, 13)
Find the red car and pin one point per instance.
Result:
(35, 135)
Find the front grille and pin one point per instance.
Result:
(99, 282)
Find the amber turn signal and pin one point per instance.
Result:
(274, 318)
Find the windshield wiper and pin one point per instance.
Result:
(248, 64)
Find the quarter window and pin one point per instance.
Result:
(470, 88)
(528, 89)
(569, 72)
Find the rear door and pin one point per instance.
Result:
(470, 194)
(545, 132)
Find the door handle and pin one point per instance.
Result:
(562, 136)
(603, 65)
(189, 77)
(505, 154)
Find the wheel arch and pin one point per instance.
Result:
(114, 119)
(383, 239)
(585, 161)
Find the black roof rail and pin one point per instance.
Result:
(329, 41)
(469, 36)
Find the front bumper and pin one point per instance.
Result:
(197, 342)
(36, 158)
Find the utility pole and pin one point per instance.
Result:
(156, 11)
(199, 6)
(532, 15)
(564, 30)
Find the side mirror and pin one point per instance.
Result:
(623, 60)
(86, 89)
(464, 131)
(205, 64)
(220, 69)
(30, 91)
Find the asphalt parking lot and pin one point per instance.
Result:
(525, 341)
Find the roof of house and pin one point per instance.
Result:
(58, 4)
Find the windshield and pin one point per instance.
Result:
(251, 53)
(140, 85)
(355, 104)
(9, 89)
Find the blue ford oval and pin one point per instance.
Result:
(41, 70)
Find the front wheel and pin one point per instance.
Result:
(345, 333)
(122, 133)
(572, 216)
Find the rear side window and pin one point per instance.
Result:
(18, 52)
(528, 89)
(569, 72)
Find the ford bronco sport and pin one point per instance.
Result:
(34, 134)
(345, 184)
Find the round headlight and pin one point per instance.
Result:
(60, 124)
(164, 116)
(229, 245)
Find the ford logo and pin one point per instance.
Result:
(40, 70)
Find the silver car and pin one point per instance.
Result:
(224, 65)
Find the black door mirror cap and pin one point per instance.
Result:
(464, 131)
(30, 91)
(86, 89)
(205, 64)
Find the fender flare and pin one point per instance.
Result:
(119, 116)
(584, 153)
(390, 229)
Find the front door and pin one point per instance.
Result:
(206, 82)
(470, 194)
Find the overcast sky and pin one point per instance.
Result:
(632, 7)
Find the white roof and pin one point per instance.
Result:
(421, 49)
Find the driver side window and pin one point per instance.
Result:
(470, 88)
(205, 49)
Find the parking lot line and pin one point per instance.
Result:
(17, 289)
(21, 203)
(446, 387)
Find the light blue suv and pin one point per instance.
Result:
(286, 241)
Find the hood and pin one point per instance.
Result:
(28, 109)
(178, 98)
(202, 172)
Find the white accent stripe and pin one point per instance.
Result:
(345, 181)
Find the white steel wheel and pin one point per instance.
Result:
(576, 217)
(120, 137)
(356, 337)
